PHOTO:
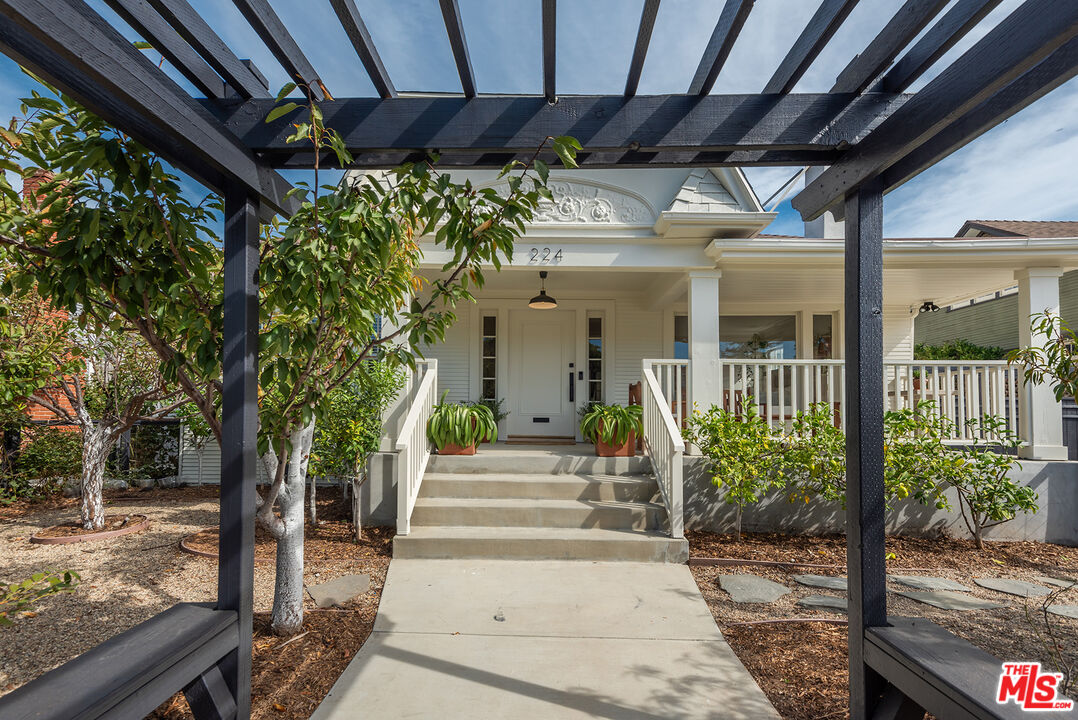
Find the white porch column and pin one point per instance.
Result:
(1040, 415)
(705, 377)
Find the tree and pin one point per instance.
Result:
(1055, 360)
(115, 234)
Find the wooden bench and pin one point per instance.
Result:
(129, 675)
(941, 672)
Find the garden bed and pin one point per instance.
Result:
(131, 578)
(802, 666)
(74, 532)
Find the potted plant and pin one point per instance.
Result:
(496, 409)
(456, 428)
(613, 428)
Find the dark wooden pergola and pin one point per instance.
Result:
(872, 134)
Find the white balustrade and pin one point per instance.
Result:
(662, 439)
(962, 391)
(412, 444)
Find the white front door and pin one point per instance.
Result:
(540, 353)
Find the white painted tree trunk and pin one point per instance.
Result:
(287, 615)
(96, 446)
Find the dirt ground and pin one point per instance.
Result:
(802, 666)
(128, 579)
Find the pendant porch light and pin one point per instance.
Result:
(542, 301)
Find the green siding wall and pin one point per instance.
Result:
(994, 322)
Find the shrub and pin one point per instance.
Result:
(916, 462)
(814, 457)
(612, 424)
(958, 350)
(743, 453)
(986, 495)
(48, 456)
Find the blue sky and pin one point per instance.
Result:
(1022, 169)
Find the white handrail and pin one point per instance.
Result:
(665, 448)
(413, 446)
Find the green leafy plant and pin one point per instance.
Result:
(1052, 360)
(744, 455)
(916, 461)
(813, 458)
(957, 350)
(986, 495)
(461, 424)
(48, 457)
(496, 407)
(611, 424)
(21, 596)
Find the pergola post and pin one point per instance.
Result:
(864, 437)
(239, 423)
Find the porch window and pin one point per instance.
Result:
(758, 337)
(681, 337)
(595, 358)
(489, 377)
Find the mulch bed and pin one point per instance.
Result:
(802, 666)
(291, 677)
(113, 523)
(206, 543)
(187, 493)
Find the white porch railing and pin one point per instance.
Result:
(412, 444)
(664, 446)
(961, 390)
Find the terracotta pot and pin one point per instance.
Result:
(452, 449)
(626, 449)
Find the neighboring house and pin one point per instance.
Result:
(992, 318)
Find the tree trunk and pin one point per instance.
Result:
(96, 446)
(313, 505)
(287, 615)
(978, 536)
(357, 509)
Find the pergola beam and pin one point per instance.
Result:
(459, 44)
(1058, 68)
(265, 22)
(640, 50)
(1020, 42)
(727, 28)
(192, 28)
(357, 32)
(76, 49)
(951, 28)
(509, 124)
(823, 25)
(144, 20)
(550, 46)
(901, 29)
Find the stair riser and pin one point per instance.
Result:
(623, 491)
(666, 551)
(607, 518)
(537, 465)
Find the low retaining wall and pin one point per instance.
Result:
(1056, 519)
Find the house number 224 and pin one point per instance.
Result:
(544, 255)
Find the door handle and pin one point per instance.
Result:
(572, 387)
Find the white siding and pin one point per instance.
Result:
(638, 334)
(209, 472)
(454, 357)
(897, 334)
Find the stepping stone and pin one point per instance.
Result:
(927, 582)
(822, 581)
(948, 600)
(1067, 611)
(823, 602)
(1021, 588)
(339, 591)
(752, 588)
(1058, 582)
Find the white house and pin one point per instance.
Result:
(674, 266)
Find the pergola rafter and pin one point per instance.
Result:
(872, 135)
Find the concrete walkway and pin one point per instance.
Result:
(543, 639)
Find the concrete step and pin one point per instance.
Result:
(539, 544)
(474, 512)
(628, 488)
(538, 462)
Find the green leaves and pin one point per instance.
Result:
(461, 424)
(281, 111)
(565, 148)
(611, 424)
(21, 596)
